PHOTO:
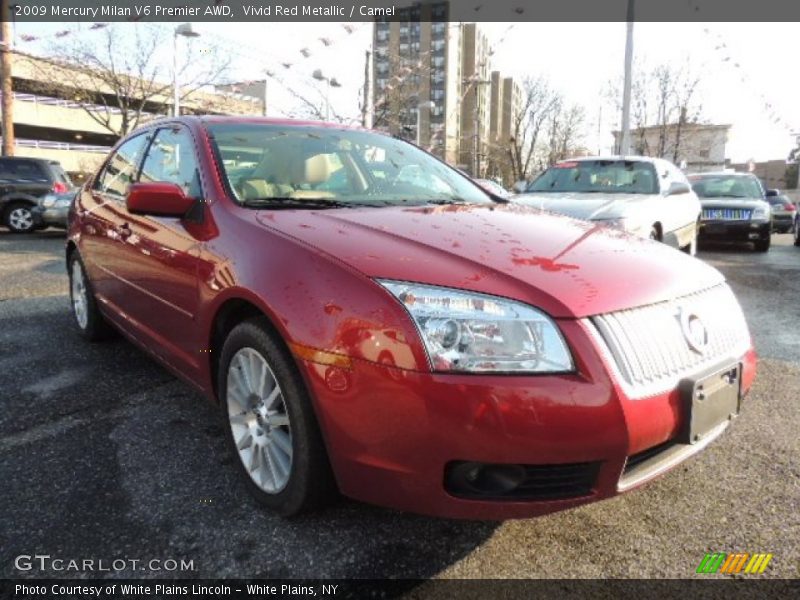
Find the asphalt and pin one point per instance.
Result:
(105, 455)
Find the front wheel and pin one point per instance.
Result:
(691, 247)
(18, 217)
(271, 423)
(763, 245)
(797, 232)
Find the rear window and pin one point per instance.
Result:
(60, 174)
(23, 171)
(598, 176)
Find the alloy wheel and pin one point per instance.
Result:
(259, 420)
(20, 219)
(80, 301)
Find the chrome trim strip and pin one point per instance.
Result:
(664, 461)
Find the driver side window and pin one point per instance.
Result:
(171, 159)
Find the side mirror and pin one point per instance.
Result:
(520, 187)
(158, 199)
(772, 193)
(678, 187)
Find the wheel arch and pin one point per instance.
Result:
(231, 312)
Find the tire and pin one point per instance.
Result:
(271, 425)
(762, 245)
(691, 247)
(91, 324)
(797, 233)
(18, 217)
(654, 234)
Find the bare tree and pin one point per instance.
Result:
(539, 101)
(122, 80)
(564, 131)
(665, 98)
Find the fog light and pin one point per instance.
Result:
(754, 236)
(484, 479)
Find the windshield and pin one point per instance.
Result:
(598, 176)
(294, 165)
(726, 186)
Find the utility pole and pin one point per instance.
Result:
(625, 144)
(476, 120)
(365, 99)
(6, 87)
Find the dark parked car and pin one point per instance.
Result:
(735, 208)
(23, 181)
(52, 210)
(783, 211)
(406, 340)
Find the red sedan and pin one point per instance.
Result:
(370, 321)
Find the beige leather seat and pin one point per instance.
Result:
(315, 170)
(251, 189)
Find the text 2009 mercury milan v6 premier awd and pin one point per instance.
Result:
(412, 343)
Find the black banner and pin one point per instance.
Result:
(368, 10)
(467, 589)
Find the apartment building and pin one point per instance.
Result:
(53, 120)
(416, 75)
(432, 83)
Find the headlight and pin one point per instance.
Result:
(623, 224)
(49, 201)
(760, 213)
(63, 202)
(466, 331)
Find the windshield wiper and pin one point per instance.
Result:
(289, 203)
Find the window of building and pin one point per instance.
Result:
(437, 61)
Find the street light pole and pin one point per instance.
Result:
(625, 143)
(329, 83)
(186, 31)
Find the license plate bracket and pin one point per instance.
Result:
(710, 400)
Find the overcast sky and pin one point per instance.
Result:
(750, 71)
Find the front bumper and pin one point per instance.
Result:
(735, 231)
(50, 217)
(393, 434)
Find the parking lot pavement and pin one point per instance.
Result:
(104, 455)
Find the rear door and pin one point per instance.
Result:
(102, 208)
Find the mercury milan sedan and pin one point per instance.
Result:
(649, 197)
(422, 347)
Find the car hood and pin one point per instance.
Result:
(734, 202)
(566, 267)
(585, 206)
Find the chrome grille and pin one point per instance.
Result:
(648, 347)
(726, 214)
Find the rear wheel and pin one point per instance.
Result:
(271, 423)
(18, 217)
(654, 234)
(797, 231)
(90, 322)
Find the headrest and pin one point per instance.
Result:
(317, 169)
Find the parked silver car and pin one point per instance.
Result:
(649, 197)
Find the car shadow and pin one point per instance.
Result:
(105, 454)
